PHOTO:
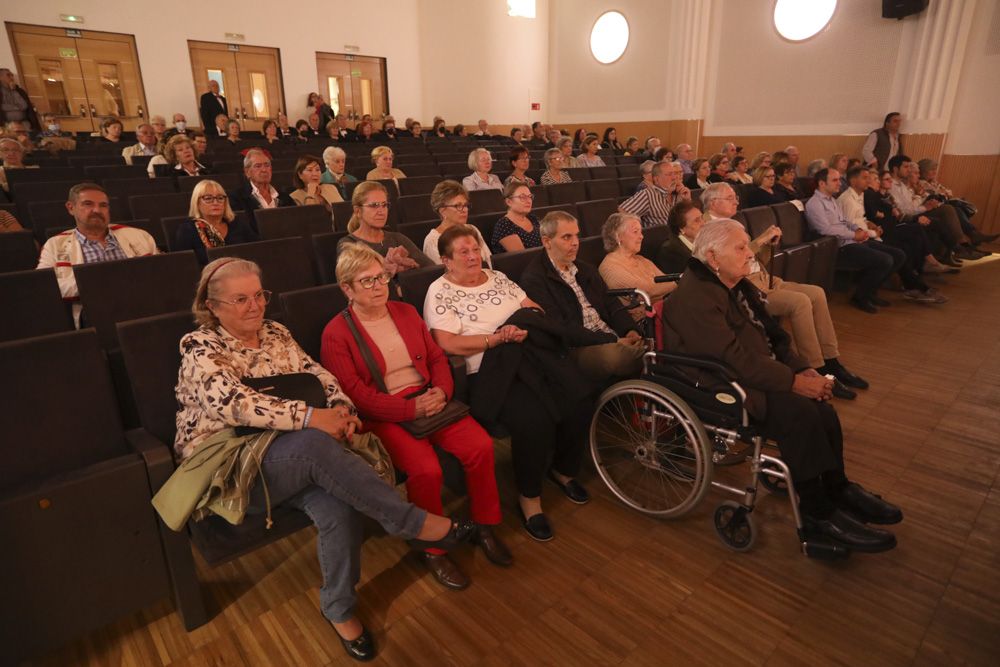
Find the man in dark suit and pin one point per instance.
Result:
(212, 104)
(256, 191)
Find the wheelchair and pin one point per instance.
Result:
(656, 441)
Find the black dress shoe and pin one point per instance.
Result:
(843, 529)
(446, 571)
(842, 392)
(496, 551)
(362, 648)
(538, 527)
(849, 379)
(951, 260)
(573, 490)
(865, 305)
(461, 531)
(879, 301)
(867, 506)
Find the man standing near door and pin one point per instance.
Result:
(14, 102)
(212, 104)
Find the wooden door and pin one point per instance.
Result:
(353, 85)
(80, 75)
(249, 78)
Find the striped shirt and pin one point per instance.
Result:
(652, 204)
(591, 318)
(95, 251)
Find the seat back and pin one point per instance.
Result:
(285, 264)
(27, 192)
(652, 239)
(591, 251)
(156, 207)
(47, 214)
(593, 215)
(229, 182)
(415, 208)
(758, 219)
(31, 304)
(792, 223)
(278, 223)
(419, 185)
(127, 289)
(603, 172)
(307, 312)
(512, 264)
(486, 201)
(103, 172)
(139, 185)
(415, 283)
(18, 251)
(567, 193)
(324, 248)
(602, 189)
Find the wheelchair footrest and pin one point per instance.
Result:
(824, 550)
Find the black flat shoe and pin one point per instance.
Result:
(879, 301)
(867, 506)
(461, 531)
(537, 526)
(842, 392)
(865, 305)
(573, 490)
(362, 648)
(843, 529)
(847, 377)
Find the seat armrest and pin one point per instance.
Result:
(157, 455)
(459, 378)
(702, 363)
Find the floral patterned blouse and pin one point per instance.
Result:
(211, 395)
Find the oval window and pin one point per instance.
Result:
(796, 20)
(609, 37)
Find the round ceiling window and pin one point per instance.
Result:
(609, 37)
(796, 20)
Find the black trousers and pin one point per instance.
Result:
(877, 262)
(912, 239)
(808, 434)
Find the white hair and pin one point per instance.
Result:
(712, 192)
(331, 152)
(251, 154)
(713, 236)
(474, 157)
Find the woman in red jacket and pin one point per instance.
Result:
(418, 383)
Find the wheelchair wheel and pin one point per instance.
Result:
(650, 449)
(774, 485)
(735, 526)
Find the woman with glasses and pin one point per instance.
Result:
(519, 160)
(451, 201)
(739, 171)
(415, 382)
(518, 229)
(179, 158)
(481, 162)
(308, 177)
(382, 157)
(367, 226)
(623, 267)
(212, 223)
(763, 194)
(698, 178)
(555, 163)
(565, 146)
(719, 164)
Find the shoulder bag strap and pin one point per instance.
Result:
(365, 352)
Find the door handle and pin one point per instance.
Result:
(83, 111)
(140, 110)
(93, 110)
(245, 114)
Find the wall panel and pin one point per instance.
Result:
(975, 178)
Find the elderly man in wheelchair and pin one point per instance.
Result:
(728, 370)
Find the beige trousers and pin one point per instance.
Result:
(804, 309)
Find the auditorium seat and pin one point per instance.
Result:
(579, 174)
(419, 185)
(652, 239)
(426, 170)
(101, 173)
(417, 231)
(759, 219)
(82, 159)
(17, 177)
(277, 223)
(82, 546)
(628, 184)
(324, 247)
(415, 282)
(307, 312)
(31, 304)
(593, 215)
(18, 251)
(512, 264)
(487, 201)
(627, 170)
(285, 265)
(591, 251)
(156, 207)
(603, 189)
(140, 185)
(415, 208)
(229, 182)
(26, 193)
(796, 263)
(603, 173)
(795, 231)
(567, 193)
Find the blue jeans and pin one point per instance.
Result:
(311, 471)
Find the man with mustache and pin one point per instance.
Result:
(93, 239)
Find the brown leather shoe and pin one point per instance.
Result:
(446, 571)
(496, 551)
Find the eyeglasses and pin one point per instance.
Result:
(457, 207)
(262, 297)
(376, 205)
(523, 197)
(213, 199)
(369, 281)
(260, 165)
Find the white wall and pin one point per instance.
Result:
(476, 61)
(974, 128)
(298, 29)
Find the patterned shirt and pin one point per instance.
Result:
(95, 251)
(591, 318)
(652, 204)
(548, 179)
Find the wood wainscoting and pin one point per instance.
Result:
(975, 178)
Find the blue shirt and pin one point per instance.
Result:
(825, 217)
(95, 251)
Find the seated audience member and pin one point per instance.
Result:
(518, 228)
(813, 167)
(685, 222)
(415, 130)
(144, 146)
(779, 156)
(610, 142)
(178, 159)
(653, 203)
(664, 154)
(517, 134)
(111, 130)
(233, 132)
(651, 145)
(632, 147)
(578, 138)
(730, 150)
(565, 146)
(685, 155)
(481, 162)
(519, 161)
(159, 124)
(256, 191)
(310, 189)
(537, 139)
(364, 133)
(211, 105)
(884, 143)
(20, 131)
(716, 313)
(285, 131)
(603, 338)
(764, 193)
(645, 175)
(928, 169)
(180, 127)
(588, 153)
(941, 218)
(739, 173)
(623, 267)
(93, 239)
(459, 131)
(315, 129)
(12, 153)
(200, 142)
(786, 186)
(483, 129)
(839, 162)
(553, 135)
(852, 206)
(336, 175)
(876, 260)
(762, 159)
(701, 169)
(221, 129)
(367, 226)
(438, 129)
(388, 131)
(520, 381)
(803, 305)
(8, 223)
(382, 157)
(719, 165)
(211, 223)
(555, 163)
(16, 104)
(450, 200)
(269, 130)
(301, 455)
(52, 134)
(792, 157)
(413, 380)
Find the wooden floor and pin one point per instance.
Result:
(617, 588)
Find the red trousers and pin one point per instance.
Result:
(468, 441)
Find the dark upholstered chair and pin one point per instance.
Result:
(18, 251)
(487, 201)
(31, 305)
(593, 215)
(567, 193)
(279, 223)
(607, 188)
(307, 312)
(324, 247)
(286, 265)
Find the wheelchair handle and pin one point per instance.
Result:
(667, 278)
(635, 293)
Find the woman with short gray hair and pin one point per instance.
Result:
(555, 162)
(481, 162)
(623, 267)
(335, 160)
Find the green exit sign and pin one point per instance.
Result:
(355, 72)
(67, 53)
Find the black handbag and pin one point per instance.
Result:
(421, 427)
(290, 386)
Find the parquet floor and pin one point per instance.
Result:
(617, 588)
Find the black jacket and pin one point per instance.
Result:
(243, 200)
(547, 288)
(209, 108)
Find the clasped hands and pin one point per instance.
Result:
(430, 402)
(340, 422)
(398, 259)
(812, 385)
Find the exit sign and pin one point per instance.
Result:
(536, 106)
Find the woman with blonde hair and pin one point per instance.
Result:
(178, 159)
(368, 226)
(382, 157)
(211, 223)
(451, 201)
(481, 162)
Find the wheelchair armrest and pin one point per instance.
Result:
(458, 376)
(702, 363)
(158, 456)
